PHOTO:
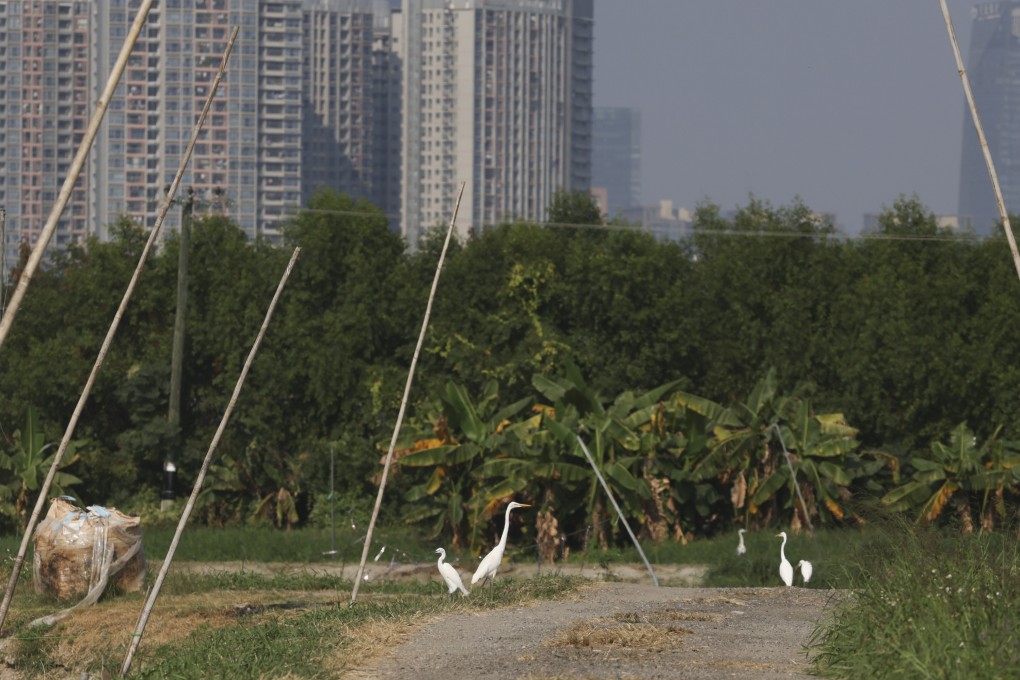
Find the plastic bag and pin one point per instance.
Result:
(77, 550)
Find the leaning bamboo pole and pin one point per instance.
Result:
(403, 401)
(619, 512)
(59, 455)
(981, 138)
(34, 259)
(154, 593)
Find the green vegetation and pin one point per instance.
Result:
(925, 604)
(688, 368)
(243, 626)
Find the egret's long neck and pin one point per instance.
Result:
(506, 528)
(442, 556)
(782, 549)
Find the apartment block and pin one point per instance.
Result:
(393, 101)
(46, 60)
(496, 94)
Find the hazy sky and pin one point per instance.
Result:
(845, 103)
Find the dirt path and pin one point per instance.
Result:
(620, 630)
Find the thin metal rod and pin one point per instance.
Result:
(619, 512)
(793, 476)
(154, 593)
(981, 138)
(403, 402)
(59, 455)
(25, 277)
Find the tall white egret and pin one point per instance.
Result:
(741, 548)
(785, 568)
(490, 563)
(805, 570)
(450, 575)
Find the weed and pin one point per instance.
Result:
(927, 604)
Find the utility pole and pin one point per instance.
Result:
(177, 359)
(3, 261)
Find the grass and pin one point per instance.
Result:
(924, 604)
(244, 626)
(927, 604)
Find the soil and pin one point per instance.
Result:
(620, 630)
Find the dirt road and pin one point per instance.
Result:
(620, 630)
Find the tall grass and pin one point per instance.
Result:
(927, 604)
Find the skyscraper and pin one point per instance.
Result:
(993, 67)
(397, 106)
(616, 157)
(497, 94)
(294, 110)
(46, 82)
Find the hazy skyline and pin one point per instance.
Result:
(847, 105)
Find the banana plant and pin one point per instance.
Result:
(740, 453)
(746, 452)
(455, 441)
(959, 470)
(29, 463)
(613, 435)
(823, 444)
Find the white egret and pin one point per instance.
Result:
(785, 568)
(450, 575)
(741, 548)
(805, 570)
(490, 563)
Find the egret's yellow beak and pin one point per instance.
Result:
(525, 505)
(779, 535)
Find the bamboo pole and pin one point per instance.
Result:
(72, 176)
(793, 476)
(154, 593)
(403, 401)
(619, 512)
(981, 137)
(58, 456)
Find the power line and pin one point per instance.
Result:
(694, 231)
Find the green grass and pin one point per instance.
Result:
(927, 604)
(309, 643)
(261, 544)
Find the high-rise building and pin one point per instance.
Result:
(496, 94)
(341, 121)
(46, 62)
(393, 101)
(294, 111)
(993, 67)
(616, 157)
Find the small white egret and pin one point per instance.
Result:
(741, 548)
(490, 563)
(450, 575)
(785, 568)
(805, 570)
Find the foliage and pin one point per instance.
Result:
(962, 472)
(889, 341)
(28, 465)
(926, 604)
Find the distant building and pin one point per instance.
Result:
(393, 101)
(950, 222)
(616, 157)
(496, 94)
(993, 67)
(664, 221)
(46, 90)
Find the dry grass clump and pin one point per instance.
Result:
(366, 640)
(665, 616)
(645, 637)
